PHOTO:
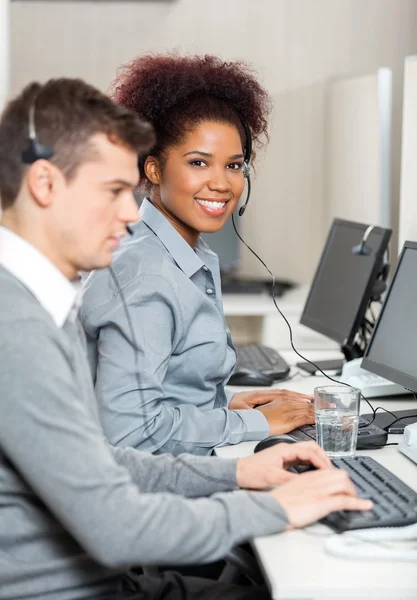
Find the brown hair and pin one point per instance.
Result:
(67, 113)
(175, 92)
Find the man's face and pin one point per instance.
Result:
(95, 206)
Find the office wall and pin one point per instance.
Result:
(408, 194)
(4, 51)
(352, 149)
(357, 148)
(295, 45)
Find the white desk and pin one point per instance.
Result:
(295, 564)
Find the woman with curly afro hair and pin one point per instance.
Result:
(170, 278)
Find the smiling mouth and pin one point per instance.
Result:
(214, 205)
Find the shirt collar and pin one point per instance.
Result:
(58, 296)
(185, 257)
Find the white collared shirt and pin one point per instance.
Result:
(60, 297)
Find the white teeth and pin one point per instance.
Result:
(214, 205)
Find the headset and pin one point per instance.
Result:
(246, 161)
(362, 249)
(35, 150)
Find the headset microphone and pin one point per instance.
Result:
(246, 162)
(129, 230)
(363, 249)
(35, 150)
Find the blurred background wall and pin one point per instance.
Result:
(298, 47)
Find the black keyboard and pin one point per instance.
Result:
(395, 504)
(254, 357)
(242, 285)
(369, 436)
(237, 286)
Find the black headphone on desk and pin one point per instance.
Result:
(362, 249)
(246, 162)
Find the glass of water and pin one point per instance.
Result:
(337, 419)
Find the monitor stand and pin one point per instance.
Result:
(334, 365)
(386, 421)
(350, 352)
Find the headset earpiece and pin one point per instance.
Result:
(35, 150)
(362, 249)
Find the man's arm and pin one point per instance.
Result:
(54, 443)
(190, 476)
(131, 369)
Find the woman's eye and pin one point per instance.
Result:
(198, 163)
(235, 166)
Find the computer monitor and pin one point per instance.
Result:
(391, 352)
(344, 284)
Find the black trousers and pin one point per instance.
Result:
(170, 585)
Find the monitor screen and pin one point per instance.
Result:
(343, 283)
(392, 350)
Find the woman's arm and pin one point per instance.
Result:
(130, 375)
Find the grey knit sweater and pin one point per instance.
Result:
(76, 513)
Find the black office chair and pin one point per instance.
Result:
(238, 563)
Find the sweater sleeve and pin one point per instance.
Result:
(57, 447)
(188, 475)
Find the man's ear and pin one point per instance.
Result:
(152, 170)
(41, 179)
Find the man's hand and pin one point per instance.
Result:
(254, 398)
(268, 468)
(313, 495)
(283, 417)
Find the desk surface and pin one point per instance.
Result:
(295, 563)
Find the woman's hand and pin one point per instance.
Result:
(283, 417)
(254, 398)
(268, 468)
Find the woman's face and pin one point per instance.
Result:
(202, 180)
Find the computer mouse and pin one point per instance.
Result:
(277, 439)
(272, 440)
(249, 377)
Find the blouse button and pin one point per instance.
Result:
(209, 291)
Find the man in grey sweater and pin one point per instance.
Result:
(75, 512)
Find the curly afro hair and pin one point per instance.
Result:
(176, 92)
